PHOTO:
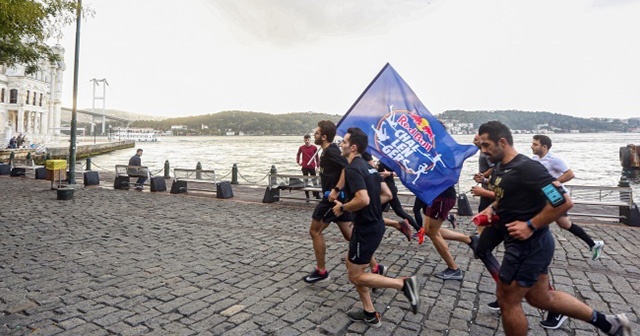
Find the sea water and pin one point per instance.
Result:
(593, 157)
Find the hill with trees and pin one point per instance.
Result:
(257, 123)
(248, 123)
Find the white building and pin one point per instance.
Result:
(30, 104)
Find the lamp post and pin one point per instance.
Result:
(74, 111)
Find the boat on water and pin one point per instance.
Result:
(136, 134)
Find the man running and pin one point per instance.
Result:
(528, 199)
(332, 164)
(540, 146)
(365, 191)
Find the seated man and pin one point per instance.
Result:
(137, 172)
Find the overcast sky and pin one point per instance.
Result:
(189, 57)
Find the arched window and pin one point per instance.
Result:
(2, 96)
(26, 101)
(13, 96)
(34, 99)
(40, 100)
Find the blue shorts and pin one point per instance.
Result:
(525, 260)
(364, 242)
(324, 212)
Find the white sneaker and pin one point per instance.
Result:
(597, 249)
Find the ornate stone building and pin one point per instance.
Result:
(30, 104)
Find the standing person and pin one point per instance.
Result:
(332, 164)
(307, 158)
(364, 190)
(540, 146)
(142, 175)
(528, 199)
(387, 175)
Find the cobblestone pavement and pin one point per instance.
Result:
(141, 263)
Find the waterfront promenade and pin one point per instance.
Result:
(142, 263)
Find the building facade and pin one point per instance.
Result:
(31, 104)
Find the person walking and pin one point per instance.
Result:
(540, 146)
(528, 199)
(366, 192)
(307, 159)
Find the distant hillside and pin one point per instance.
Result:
(530, 121)
(249, 123)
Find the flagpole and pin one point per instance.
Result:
(362, 94)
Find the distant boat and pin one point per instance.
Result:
(136, 134)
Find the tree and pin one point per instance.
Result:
(26, 25)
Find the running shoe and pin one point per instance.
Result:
(620, 325)
(411, 291)
(452, 219)
(553, 321)
(405, 228)
(597, 249)
(474, 244)
(421, 236)
(493, 305)
(316, 276)
(450, 274)
(382, 271)
(360, 316)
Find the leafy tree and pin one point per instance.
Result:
(26, 25)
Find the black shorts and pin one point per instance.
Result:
(524, 261)
(324, 212)
(364, 242)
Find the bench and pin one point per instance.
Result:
(291, 182)
(26, 164)
(125, 172)
(594, 198)
(201, 177)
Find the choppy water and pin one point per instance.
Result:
(594, 158)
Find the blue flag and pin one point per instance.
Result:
(406, 137)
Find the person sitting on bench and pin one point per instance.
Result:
(137, 172)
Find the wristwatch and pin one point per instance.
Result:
(342, 208)
(530, 225)
(336, 189)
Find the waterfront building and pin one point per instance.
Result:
(31, 104)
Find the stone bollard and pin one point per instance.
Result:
(28, 156)
(273, 179)
(12, 157)
(88, 167)
(625, 211)
(234, 174)
(199, 171)
(167, 169)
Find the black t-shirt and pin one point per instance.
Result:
(331, 165)
(518, 187)
(360, 175)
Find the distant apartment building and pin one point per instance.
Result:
(30, 104)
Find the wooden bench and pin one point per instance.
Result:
(124, 173)
(201, 177)
(291, 182)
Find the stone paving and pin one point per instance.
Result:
(140, 263)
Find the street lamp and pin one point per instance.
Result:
(74, 111)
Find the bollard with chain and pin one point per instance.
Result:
(199, 171)
(88, 167)
(12, 157)
(167, 169)
(273, 179)
(234, 174)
